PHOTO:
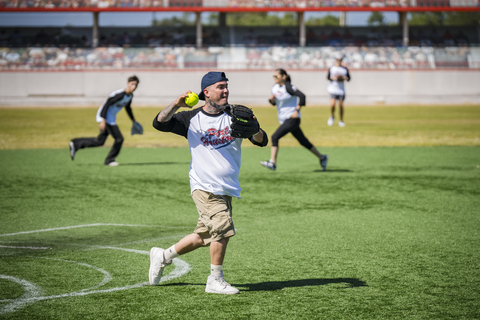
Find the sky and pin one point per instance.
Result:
(137, 19)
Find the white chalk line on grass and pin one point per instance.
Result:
(32, 291)
(19, 247)
(88, 225)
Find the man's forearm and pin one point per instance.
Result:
(259, 136)
(167, 113)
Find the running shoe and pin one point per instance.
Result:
(72, 150)
(323, 162)
(268, 164)
(219, 285)
(330, 121)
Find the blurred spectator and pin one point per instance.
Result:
(112, 56)
(448, 39)
(4, 37)
(288, 37)
(16, 38)
(178, 38)
(138, 39)
(334, 38)
(311, 37)
(461, 38)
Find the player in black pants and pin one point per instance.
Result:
(288, 100)
(107, 117)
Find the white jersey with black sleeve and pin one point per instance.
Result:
(216, 156)
(115, 102)
(287, 97)
(337, 87)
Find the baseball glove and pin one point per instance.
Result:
(244, 124)
(137, 128)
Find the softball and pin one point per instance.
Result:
(191, 99)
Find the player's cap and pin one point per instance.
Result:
(338, 56)
(209, 79)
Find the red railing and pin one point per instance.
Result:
(238, 5)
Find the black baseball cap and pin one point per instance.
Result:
(209, 79)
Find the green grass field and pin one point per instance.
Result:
(390, 231)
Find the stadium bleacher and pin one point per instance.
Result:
(235, 47)
(255, 58)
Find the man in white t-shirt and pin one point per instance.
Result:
(214, 169)
(337, 75)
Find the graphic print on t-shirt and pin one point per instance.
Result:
(217, 138)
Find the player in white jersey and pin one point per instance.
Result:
(288, 100)
(214, 170)
(337, 75)
(107, 119)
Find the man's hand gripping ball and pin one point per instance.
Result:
(191, 99)
(244, 123)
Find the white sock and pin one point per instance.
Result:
(170, 253)
(217, 271)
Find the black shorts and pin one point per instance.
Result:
(340, 97)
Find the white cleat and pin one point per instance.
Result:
(330, 121)
(157, 264)
(219, 285)
(113, 164)
(341, 123)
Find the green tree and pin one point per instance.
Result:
(186, 19)
(327, 20)
(445, 19)
(376, 18)
(212, 19)
(261, 19)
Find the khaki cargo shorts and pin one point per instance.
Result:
(215, 222)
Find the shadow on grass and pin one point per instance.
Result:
(135, 164)
(333, 170)
(152, 163)
(278, 285)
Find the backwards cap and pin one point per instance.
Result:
(209, 79)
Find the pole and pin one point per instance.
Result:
(95, 30)
(404, 22)
(199, 29)
(301, 25)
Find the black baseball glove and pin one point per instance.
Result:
(244, 124)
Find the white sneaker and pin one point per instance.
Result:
(269, 164)
(72, 150)
(330, 121)
(219, 285)
(323, 162)
(113, 164)
(157, 264)
(341, 123)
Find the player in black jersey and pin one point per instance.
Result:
(288, 100)
(107, 118)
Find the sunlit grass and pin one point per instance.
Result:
(33, 128)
